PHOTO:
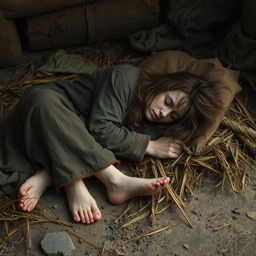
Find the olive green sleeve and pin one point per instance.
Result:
(114, 93)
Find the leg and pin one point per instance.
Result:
(58, 139)
(121, 187)
(32, 189)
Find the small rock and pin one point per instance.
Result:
(55, 206)
(234, 217)
(57, 243)
(251, 214)
(80, 240)
(236, 211)
(185, 246)
(195, 212)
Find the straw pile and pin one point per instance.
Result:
(225, 159)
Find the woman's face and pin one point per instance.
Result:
(167, 107)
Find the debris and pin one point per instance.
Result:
(57, 243)
(251, 214)
(155, 231)
(236, 211)
(185, 246)
(195, 212)
(221, 227)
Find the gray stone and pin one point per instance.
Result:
(57, 243)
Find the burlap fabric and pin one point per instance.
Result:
(57, 29)
(22, 8)
(10, 47)
(211, 69)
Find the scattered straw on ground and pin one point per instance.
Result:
(226, 157)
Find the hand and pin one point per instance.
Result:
(164, 148)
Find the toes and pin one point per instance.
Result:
(156, 183)
(23, 191)
(76, 216)
(31, 206)
(82, 217)
(97, 215)
(90, 217)
(86, 217)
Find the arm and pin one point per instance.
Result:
(114, 94)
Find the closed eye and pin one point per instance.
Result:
(168, 101)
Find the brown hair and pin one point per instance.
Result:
(203, 103)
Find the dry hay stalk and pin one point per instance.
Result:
(239, 128)
(152, 232)
(223, 157)
(39, 215)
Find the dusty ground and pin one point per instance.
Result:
(239, 238)
(210, 209)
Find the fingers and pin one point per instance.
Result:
(177, 141)
(174, 150)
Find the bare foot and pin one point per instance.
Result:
(130, 187)
(31, 190)
(82, 205)
(121, 187)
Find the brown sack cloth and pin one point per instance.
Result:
(10, 47)
(56, 29)
(110, 19)
(248, 20)
(22, 8)
(210, 69)
(62, 62)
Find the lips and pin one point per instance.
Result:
(154, 115)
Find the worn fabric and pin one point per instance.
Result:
(238, 50)
(189, 25)
(62, 62)
(10, 46)
(159, 38)
(16, 8)
(211, 69)
(72, 128)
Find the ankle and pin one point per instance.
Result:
(110, 176)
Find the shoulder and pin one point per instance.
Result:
(124, 72)
(126, 69)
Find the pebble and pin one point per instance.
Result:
(195, 212)
(57, 243)
(185, 246)
(251, 214)
(236, 211)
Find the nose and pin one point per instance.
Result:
(165, 112)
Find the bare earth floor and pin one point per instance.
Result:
(209, 211)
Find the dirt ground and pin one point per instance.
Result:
(209, 210)
(219, 218)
